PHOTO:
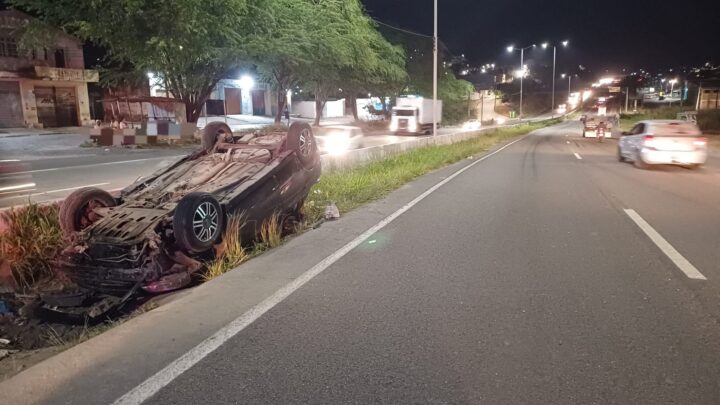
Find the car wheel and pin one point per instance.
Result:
(197, 222)
(214, 132)
(301, 139)
(639, 163)
(621, 158)
(77, 212)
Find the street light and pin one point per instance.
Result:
(435, 65)
(545, 46)
(672, 87)
(569, 83)
(511, 49)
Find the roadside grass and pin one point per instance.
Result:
(351, 188)
(628, 120)
(231, 253)
(271, 232)
(30, 242)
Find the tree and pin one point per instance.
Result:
(190, 44)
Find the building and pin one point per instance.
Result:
(241, 96)
(44, 87)
(708, 95)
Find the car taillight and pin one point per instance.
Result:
(649, 141)
(700, 142)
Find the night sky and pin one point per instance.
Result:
(609, 34)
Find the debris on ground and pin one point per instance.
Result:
(332, 212)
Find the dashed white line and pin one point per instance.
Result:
(681, 262)
(577, 156)
(165, 376)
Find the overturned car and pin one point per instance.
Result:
(161, 229)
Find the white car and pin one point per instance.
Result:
(663, 142)
(471, 125)
(338, 139)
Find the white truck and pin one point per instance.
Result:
(414, 115)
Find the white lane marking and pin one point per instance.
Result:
(17, 187)
(578, 156)
(162, 378)
(681, 262)
(56, 169)
(68, 189)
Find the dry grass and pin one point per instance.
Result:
(232, 253)
(271, 232)
(31, 242)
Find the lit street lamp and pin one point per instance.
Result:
(545, 45)
(569, 77)
(522, 69)
(672, 87)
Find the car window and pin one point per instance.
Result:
(638, 129)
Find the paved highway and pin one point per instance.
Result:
(547, 272)
(524, 280)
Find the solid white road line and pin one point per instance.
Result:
(578, 156)
(681, 262)
(165, 376)
(122, 162)
(68, 189)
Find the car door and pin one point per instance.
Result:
(635, 139)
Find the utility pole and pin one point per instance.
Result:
(627, 99)
(435, 65)
(552, 107)
(522, 76)
(482, 105)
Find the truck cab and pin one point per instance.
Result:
(405, 119)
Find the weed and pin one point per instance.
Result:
(231, 253)
(271, 232)
(31, 241)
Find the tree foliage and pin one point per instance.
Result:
(191, 44)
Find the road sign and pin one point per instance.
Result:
(614, 89)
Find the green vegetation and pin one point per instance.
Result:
(351, 188)
(30, 243)
(188, 44)
(662, 113)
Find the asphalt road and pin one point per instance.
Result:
(523, 280)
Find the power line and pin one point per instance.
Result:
(402, 29)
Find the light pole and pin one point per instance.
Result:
(522, 70)
(569, 82)
(545, 45)
(672, 87)
(435, 65)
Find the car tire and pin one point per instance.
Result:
(621, 158)
(300, 138)
(639, 163)
(214, 132)
(198, 222)
(76, 212)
